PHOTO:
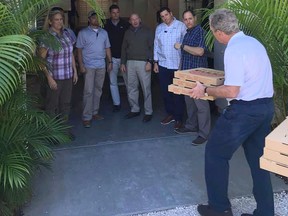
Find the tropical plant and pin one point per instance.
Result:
(26, 134)
(267, 21)
(20, 155)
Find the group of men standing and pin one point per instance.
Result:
(126, 47)
(248, 86)
(134, 50)
(177, 45)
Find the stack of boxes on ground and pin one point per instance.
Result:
(275, 157)
(184, 80)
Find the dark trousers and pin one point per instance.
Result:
(174, 104)
(246, 124)
(58, 101)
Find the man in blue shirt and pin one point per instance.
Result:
(93, 46)
(192, 49)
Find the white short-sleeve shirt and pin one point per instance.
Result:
(247, 65)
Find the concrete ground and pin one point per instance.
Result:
(127, 167)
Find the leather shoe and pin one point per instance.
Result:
(147, 118)
(206, 210)
(198, 141)
(97, 117)
(116, 108)
(86, 124)
(132, 115)
(177, 125)
(184, 130)
(167, 120)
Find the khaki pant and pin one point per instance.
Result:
(137, 74)
(94, 79)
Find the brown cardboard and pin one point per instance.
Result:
(273, 166)
(204, 75)
(185, 91)
(275, 156)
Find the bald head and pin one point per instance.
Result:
(135, 20)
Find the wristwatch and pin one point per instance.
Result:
(205, 92)
(150, 61)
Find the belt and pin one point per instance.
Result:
(252, 102)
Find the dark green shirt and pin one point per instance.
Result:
(137, 44)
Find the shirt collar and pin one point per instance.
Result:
(188, 30)
(135, 29)
(238, 34)
(55, 33)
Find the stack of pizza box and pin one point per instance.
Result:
(185, 80)
(275, 157)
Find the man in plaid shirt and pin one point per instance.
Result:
(192, 50)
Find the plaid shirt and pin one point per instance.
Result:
(60, 62)
(194, 38)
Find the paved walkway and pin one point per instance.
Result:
(127, 167)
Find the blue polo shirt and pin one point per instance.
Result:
(93, 44)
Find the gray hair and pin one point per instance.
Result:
(224, 20)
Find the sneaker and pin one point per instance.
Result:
(167, 120)
(116, 108)
(86, 124)
(184, 130)
(198, 141)
(206, 210)
(132, 115)
(97, 117)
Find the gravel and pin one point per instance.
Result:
(239, 206)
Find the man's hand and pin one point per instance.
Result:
(123, 68)
(177, 46)
(156, 68)
(109, 67)
(198, 91)
(148, 67)
(82, 69)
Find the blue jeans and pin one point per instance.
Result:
(174, 104)
(246, 124)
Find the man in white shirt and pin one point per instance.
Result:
(166, 61)
(246, 121)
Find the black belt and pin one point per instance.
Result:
(252, 102)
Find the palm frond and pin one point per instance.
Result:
(26, 12)
(26, 135)
(15, 53)
(100, 13)
(4, 209)
(14, 168)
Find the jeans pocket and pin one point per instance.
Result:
(228, 112)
